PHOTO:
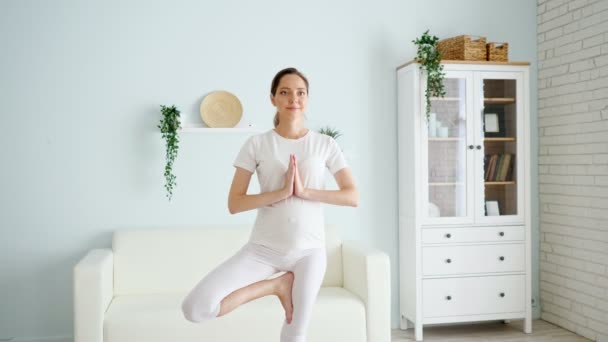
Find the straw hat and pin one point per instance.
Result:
(221, 109)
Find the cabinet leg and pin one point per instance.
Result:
(528, 325)
(406, 323)
(418, 332)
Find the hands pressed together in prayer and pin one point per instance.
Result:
(293, 183)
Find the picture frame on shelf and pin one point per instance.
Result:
(494, 122)
(491, 123)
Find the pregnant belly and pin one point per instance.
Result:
(293, 216)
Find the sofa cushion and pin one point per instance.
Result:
(338, 315)
(174, 260)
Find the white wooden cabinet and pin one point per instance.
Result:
(464, 196)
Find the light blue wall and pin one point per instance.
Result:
(80, 87)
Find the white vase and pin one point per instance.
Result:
(432, 124)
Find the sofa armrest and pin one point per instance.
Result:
(93, 291)
(367, 273)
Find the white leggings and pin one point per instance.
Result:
(254, 263)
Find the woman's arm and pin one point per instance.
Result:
(347, 195)
(239, 201)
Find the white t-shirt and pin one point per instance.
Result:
(292, 223)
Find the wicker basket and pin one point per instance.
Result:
(498, 52)
(463, 48)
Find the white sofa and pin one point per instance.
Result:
(133, 292)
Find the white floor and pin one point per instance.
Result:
(542, 331)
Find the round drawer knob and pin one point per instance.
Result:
(448, 298)
(502, 258)
(448, 235)
(502, 295)
(471, 147)
(501, 233)
(449, 261)
(479, 147)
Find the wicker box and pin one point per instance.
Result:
(464, 48)
(498, 52)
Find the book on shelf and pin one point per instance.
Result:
(498, 167)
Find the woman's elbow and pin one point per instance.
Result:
(354, 199)
(232, 209)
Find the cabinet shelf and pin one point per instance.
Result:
(508, 139)
(445, 98)
(501, 183)
(446, 139)
(499, 100)
(445, 183)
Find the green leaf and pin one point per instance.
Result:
(430, 60)
(169, 124)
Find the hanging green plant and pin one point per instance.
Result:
(429, 58)
(169, 124)
(332, 132)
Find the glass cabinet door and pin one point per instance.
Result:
(499, 131)
(447, 157)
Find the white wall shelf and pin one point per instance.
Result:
(203, 129)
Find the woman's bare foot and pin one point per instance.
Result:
(283, 291)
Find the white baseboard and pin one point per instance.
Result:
(69, 338)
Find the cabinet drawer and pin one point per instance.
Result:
(452, 260)
(473, 296)
(476, 234)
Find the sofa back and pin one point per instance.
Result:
(174, 260)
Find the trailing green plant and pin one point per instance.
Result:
(332, 132)
(429, 58)
(169, 124)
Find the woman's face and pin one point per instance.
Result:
(291, 98)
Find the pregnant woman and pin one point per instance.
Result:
(289, 231)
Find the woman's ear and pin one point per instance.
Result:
(272, 100)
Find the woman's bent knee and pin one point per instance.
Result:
(199, 312)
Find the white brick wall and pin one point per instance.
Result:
(573, 164)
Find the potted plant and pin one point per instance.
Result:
(429, 58)
(169, 124)
(332, 132)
